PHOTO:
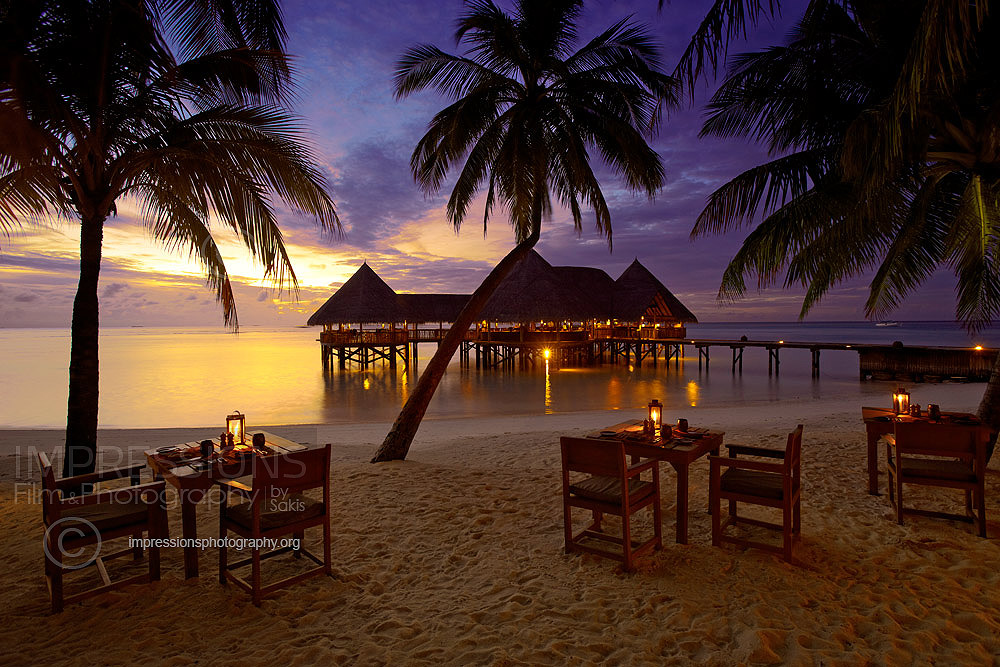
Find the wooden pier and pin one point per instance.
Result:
(523, 349)
(907, 363)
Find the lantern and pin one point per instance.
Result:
(236, 425)
(655, 413)
(901, 401)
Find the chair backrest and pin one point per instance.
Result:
(292, 472)
(50, 493)
(593, 457)
(946, 440)
(793, 449)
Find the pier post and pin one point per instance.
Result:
(815, 362)
(392, 357)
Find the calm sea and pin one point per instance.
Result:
(161, 377)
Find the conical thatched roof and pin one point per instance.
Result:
(532, 292)
(594, 286)
(364, 298)
(433, 307)
(637, 291)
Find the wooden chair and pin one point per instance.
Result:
(602, 493)
(776, 484)
(74, 523)
(275, 506)
(944, 455)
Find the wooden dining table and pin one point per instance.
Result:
(882, 421)
(183, 468)
(680, 451)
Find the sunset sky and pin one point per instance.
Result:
(345, 54)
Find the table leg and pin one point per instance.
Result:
(189, 525)
(682, 502)
(873, 462)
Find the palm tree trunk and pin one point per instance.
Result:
(989, 407)
(397, 442)
(81, 418)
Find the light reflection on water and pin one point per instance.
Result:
(153, 377)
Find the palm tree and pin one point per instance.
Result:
(96, 107)
(850, 191)
(527, 111)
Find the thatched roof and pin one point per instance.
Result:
(364, 298)
(534, 291)
(433, 307)
(639, 293)
(594, 285)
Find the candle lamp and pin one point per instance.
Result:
(656, 414)
(236, 427)
(901, 401)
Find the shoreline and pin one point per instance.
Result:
(959, 397)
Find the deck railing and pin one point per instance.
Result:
(512, 336)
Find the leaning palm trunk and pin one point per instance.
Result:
(397, 442)
(989, 407)
(81, 416)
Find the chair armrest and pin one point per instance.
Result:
(234, 485)
(753, 450)
(889, 438)
(125, 494)
(635, 470)
(103, 476)
(745, 464)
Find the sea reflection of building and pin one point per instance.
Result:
(566, 314)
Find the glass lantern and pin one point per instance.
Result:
(236, 425)
(655, 414)
(901, 401)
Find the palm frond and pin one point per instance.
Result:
(764, 189)
(725, 20)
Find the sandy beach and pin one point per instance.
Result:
(455, 556)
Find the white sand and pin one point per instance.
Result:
(455, 556)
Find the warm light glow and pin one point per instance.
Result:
(781, 342)
(693, 393)
(547, 353)
(548, 389)
(847, 346)
(236, 424)
(367, 384)
(978, 347)
(901, 401)
(656, 413)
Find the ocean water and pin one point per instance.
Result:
(193, 377)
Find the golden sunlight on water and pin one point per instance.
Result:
(692, 393)
(163, 377)
(548, 388)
